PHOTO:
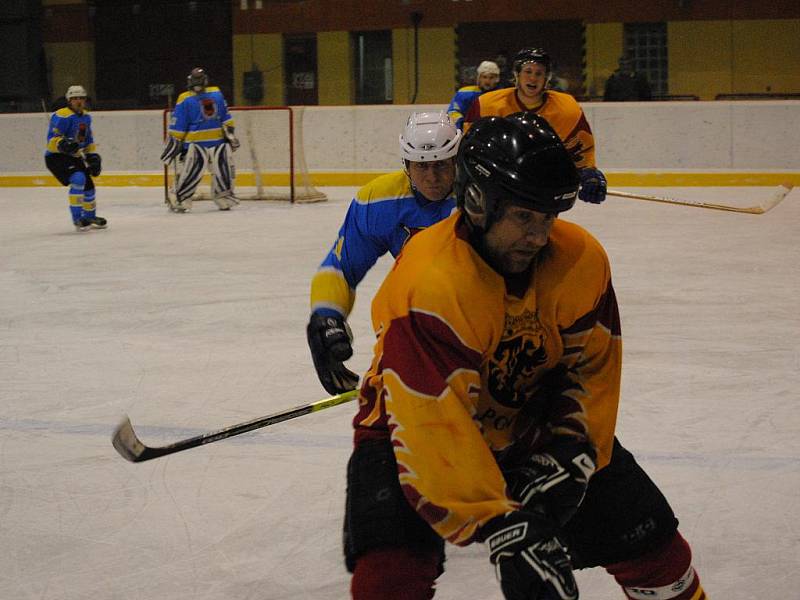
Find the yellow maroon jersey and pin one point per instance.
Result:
(561, 110)
(461, 365)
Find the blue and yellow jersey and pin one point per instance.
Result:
(459, 105)
(199, 118)
(66, 123)
(561, 110)
(464, 366)
(382, 217)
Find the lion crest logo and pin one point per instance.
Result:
(514, 365)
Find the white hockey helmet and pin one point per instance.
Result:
(488, 66)
(75, 91)
(429, 136)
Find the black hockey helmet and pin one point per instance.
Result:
(536, 55)
(517, 158)
(197, 79)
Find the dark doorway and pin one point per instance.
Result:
(300, 58)
(145, 50)
(373, 67)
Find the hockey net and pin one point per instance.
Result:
(270, 163)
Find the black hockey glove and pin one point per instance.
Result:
(555, 479)
(67, 146)
(93, 164)
(329, 339)
(593, 185)
(529, 561)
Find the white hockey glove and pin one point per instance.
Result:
(230, 137)
(172, 148)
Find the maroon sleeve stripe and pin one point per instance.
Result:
(606, 313)
(424, 351)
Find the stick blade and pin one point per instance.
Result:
(776, 199)
(126, 442)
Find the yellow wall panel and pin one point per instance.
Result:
(71, 63)
(334, 66)
(699, 58)
(263, 51)
(603, 49)
(766, 56)
(437, 55)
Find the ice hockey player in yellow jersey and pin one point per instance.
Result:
(488, 413)
(532, 72)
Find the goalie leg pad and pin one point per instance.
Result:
(623, 516)
(194, 164)
(222, 174)
(377, 514)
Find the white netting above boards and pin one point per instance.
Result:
(270, 164)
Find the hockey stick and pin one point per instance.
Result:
(132, 449)
(778, 195)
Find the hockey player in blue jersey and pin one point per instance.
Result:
(382, 217)
(488, 79)
(72, 158)
(200, 131)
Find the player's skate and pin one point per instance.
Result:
(82, 225)
(97, 222)
(226, 201)
(180, 206)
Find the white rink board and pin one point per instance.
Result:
(194, 322)
(630, 135)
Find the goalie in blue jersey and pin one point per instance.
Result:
(200, 132)
(382, 217)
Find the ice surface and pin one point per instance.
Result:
(190, 323)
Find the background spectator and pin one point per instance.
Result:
(626, 84)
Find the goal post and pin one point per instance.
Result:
(270, 163)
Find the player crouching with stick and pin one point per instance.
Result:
(72, 159)
(200, 131)
(489, 411)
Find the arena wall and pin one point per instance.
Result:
(638, 143)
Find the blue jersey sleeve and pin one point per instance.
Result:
(460, 104)
(363, 238)
(55, 131)
(179, 122)
(224, 115)
(365, 241)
